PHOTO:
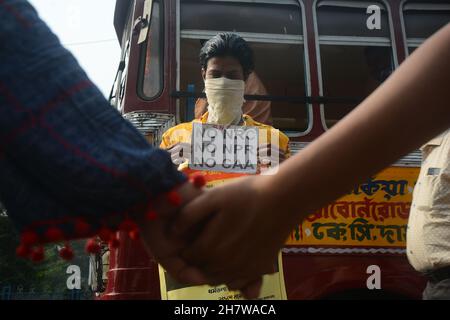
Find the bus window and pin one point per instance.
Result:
(118, 99)
(423, 19)
(353, 59)
(274, 32)
(153, 63)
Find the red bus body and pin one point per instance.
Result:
(320, 275)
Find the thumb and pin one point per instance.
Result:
(193, 213)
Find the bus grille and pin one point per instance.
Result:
(152, 125)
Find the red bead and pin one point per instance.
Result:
(37, 255)
(151, 215)
(81, 228)
(104, 234)
(198, 180)
(92, 247)
(174, 198)
(134, 234)
(114, 243)
(54, 234)
(23, 251)
(29, 238)
(66, 253)
(127, 225)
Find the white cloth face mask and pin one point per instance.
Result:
(225, 99)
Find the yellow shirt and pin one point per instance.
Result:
(182, 134)
(428, 235)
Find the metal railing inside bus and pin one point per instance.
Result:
(275, 98)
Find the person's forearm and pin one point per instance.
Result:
(410, 108)
(65, 153)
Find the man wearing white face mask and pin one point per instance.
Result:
(227, 62)
(259, 110)
(225, 98)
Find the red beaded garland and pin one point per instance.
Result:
(151, 215)
(105, 234)
(54, 234)
(92, 247)
(127, 225)
(174, 198)
(134, 234)
(114, 243)
(81, 228)
(29, 238)
(37, 255)
(66, 253)
(198, 180)
(23, 251)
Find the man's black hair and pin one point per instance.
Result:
(228, 44)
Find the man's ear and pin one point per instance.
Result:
(247, 75)
(203, 74)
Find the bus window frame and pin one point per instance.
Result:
(126, 40)
(413, 42)
(143, 56)
(248, 35)
(350, 41)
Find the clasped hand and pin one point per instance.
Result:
(227, 235)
